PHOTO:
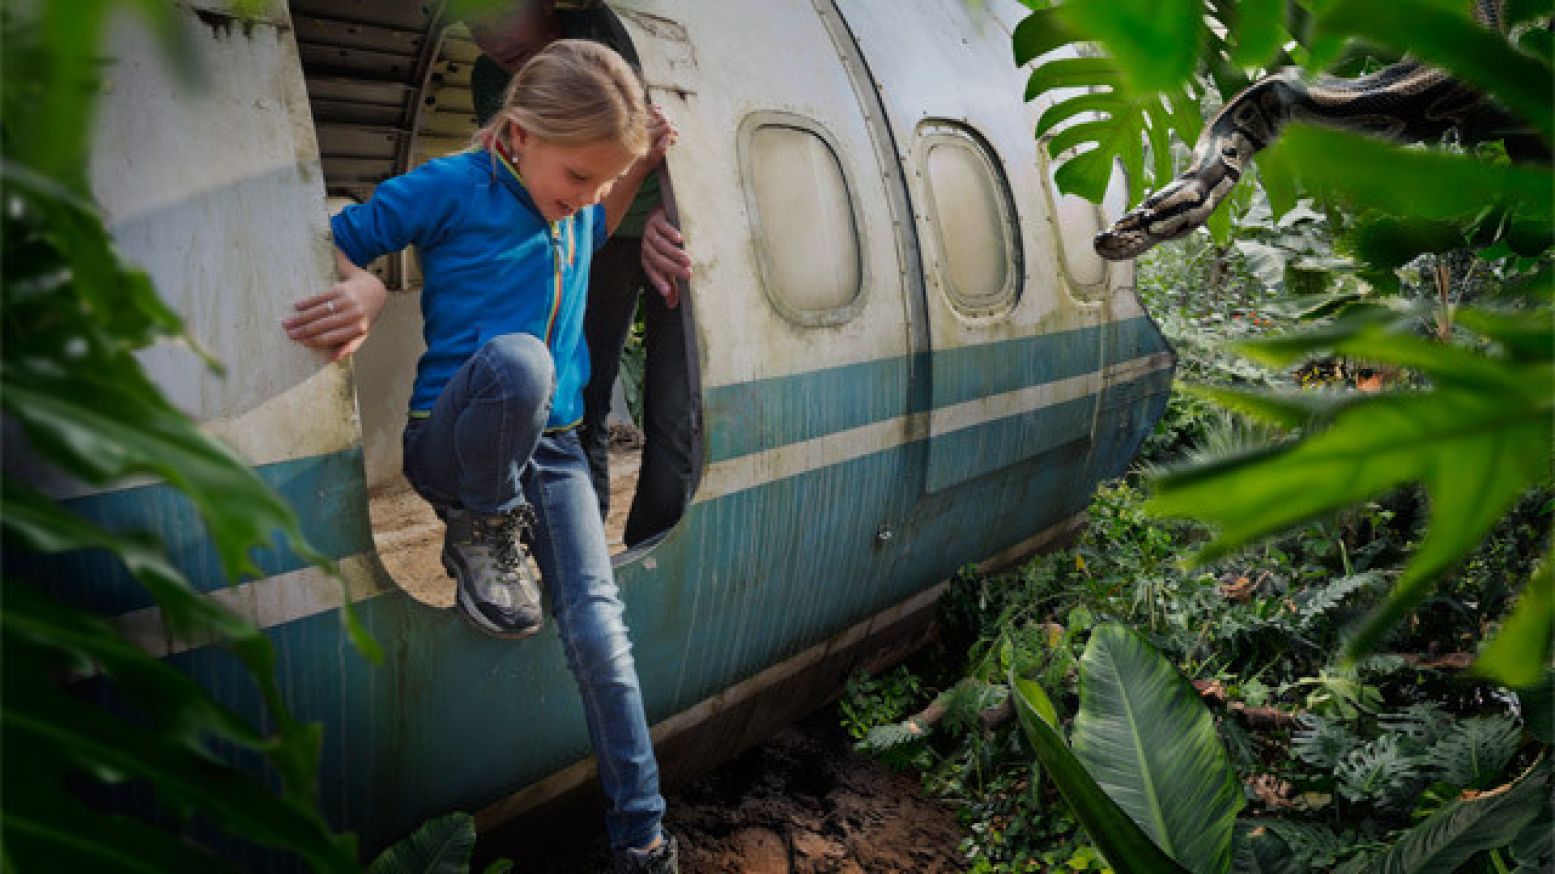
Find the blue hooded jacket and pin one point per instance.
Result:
(490, 263)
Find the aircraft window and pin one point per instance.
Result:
(971, 220)
(1078, 220)
(803, 212)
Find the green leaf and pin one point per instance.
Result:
(1288, 409)
(1537, 700)
(1108, 123)
(1449, 837)
(1364, 171)
(1259, 32)
(1475, 750)
(1475, 449)
(1524, 338)
(1520, 654)
(440, 846)
(1257, 850)
(1288, 349)
(44, 723)
(1125, 845)
(1441, 34)
(1534, 847)
(1039, 33)
(1149, 742)
(1156, 42)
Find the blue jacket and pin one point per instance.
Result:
(490, 264)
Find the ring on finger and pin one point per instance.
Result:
(331, 305)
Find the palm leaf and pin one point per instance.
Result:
(1124, 844)
(1149, 742)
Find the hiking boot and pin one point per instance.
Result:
(663, 859)
(499, 593)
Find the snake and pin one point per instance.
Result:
(1406, 102)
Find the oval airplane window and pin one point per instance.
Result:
(803, 213)
(971, 220)
(1078, 220)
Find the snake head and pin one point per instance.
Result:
(1142, 227)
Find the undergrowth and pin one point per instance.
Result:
(1335, 759)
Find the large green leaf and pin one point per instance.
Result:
(1258, 32)
(1465, 826)
(1112, 118)
(1149, 742)
(1520, 654)
(1375, 174)
(1156, 42)
(73, 315)
(1125, 845)
(43, 723)
(441, 846)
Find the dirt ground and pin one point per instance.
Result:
(803, 802)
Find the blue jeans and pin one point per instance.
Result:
(485, 448)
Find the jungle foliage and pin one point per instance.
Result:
(1356, 458)
(91, 720)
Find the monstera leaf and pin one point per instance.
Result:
(1143, 89)
(441, 846)
(1110, 115)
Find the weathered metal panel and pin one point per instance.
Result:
(206, 181)
(784, 61)
(924, 78)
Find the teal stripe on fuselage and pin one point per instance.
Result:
(327, 492)
(764, 414)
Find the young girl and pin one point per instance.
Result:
(506, 232)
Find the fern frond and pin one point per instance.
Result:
(885, 738)
(1320, 601)
(1322, 743)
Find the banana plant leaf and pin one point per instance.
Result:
(1124, 844)
(1149, 742)
(1488, 821)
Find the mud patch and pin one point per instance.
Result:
(801, 803)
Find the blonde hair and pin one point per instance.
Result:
(574, 92)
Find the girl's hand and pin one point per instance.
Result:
(339, 319)
(661, 135)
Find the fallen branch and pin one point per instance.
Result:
(1213, 692)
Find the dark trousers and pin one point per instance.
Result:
(664, 481)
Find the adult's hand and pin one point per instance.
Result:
(339, 319)
(663, 259)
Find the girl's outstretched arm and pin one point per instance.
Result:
(339, 319)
